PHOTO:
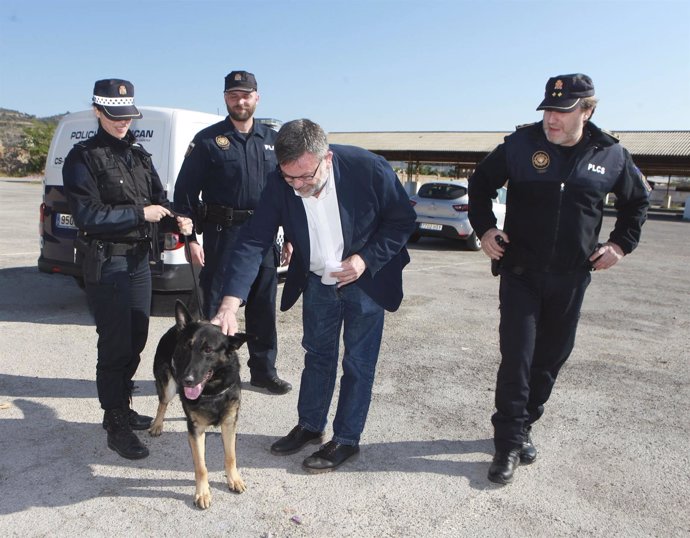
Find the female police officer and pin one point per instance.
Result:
(116, 198)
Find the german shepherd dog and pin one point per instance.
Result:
(196, 360)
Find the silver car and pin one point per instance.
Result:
(441, 208)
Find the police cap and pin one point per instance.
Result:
(115, 98)
(240, 81)
(563, 93)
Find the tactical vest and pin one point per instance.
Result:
(123, 178)
(555, 201)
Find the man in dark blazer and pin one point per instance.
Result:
(348, 219)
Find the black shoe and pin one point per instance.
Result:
(121, 439)
(294, 441)
(331, 456)
(274, 385)
(528, 452)
(136, 421)
(503, 466)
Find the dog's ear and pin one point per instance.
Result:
(237, 339)
(182, 316)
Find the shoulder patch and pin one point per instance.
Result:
(643, 179)
(189, 150)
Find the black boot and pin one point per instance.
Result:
(121, 439)
(136, 421)
(528, 452)
(503, 466)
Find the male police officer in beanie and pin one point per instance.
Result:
(118, 202)
(228, 163)
(559, 172)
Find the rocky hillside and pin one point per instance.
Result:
(24, 142)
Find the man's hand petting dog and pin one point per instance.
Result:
(226, 317)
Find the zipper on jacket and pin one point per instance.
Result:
(576, 159)
(558, 225)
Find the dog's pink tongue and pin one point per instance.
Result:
(193, 392)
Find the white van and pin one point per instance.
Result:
(166, 134)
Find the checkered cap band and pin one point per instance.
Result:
(113, 101)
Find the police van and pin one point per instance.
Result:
(166, 134)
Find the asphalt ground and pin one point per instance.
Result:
(613, 443)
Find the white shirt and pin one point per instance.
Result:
(325, 229)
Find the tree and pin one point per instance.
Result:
(36, 142)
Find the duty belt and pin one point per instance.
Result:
(226, 216)
(124, 249)
(111, 248)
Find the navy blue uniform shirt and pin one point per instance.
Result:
(226, 167)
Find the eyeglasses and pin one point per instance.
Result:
(309, 178)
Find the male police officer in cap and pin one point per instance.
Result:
(118, 202)
(227, 164)
(559, 171)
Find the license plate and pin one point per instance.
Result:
(64, 220)
(429, 226)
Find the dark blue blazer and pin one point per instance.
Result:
(376, 217)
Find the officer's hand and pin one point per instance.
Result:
(489, 245)
(226, 317)
(185, 225)
(197, 252)
(606, 256)
(285, 254)
(154, 213)
(353, 267)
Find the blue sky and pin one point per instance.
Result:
(356, 65)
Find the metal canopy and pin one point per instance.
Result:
(656, 153)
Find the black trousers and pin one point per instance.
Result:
(121, 306)
(539, 317)
(260, 310)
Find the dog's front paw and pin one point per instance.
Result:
(202, 497)
(156, 429)
(235, 483)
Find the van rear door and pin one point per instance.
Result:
(56, 224)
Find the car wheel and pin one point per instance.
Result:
(414, 237)
(473, 242)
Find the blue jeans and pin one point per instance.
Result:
(326, 310)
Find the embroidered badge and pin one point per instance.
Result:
(223, 142)
(122, 90)
(540, 160)
(189, 150)
(647, 186)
